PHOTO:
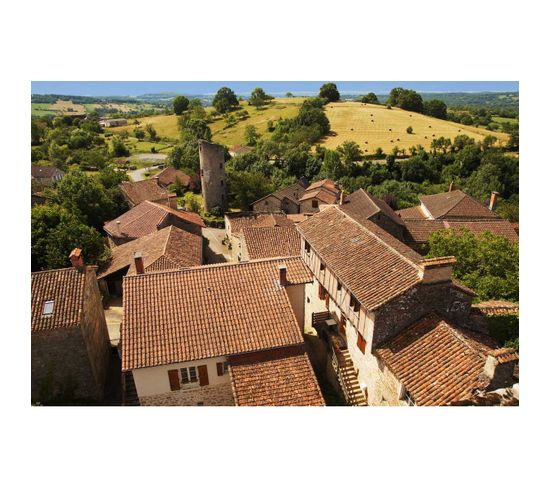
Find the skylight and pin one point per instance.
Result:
(48, 307)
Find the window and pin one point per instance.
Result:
(266, 203)
(308, 247)
(314, 203)
(361, 343)
(48, 307)
(221, 165)
(221, 182)
(409, 399)
(222, 368)
(354, 304)
(339, 286)
(323, 266)
(188, 375)
(322, 292)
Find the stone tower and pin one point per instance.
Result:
(213, 179)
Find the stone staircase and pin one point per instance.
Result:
(348, 380)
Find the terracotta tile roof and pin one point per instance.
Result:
(497, 307)
(280, 377)
(241, 220)
(271, 242)
(369, 262)
(65, 287)
(208, 311)
(463, 288)
(297, 218)
(145, 218)
(140, 191)
(240, 149)
(321, 194)
(292, 192)
(326, 184)
(456, 205)
(361, 205)
(411, 213)
(436, 361)
(419, 231)
(169, 175)
(168, 248)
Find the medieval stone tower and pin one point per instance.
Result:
(213, 179)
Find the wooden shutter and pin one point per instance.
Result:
(203, 375)
(361, 343)
(321, 292)
(327, 299)
(219, 366)
(174, 379)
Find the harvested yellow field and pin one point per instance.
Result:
(165, 125)
(62, 106)
(373, 126)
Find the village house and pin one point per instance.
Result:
(170, 176)
(239, 149)
(319, 193)
(453, 210)
(227, 334)
(235, 222)
(136, 192)
(269, 242)
(148, 217)
(370, 289)
(70, 349)
(43, 176)
(286, 200)
(113, 122)
(166, 249)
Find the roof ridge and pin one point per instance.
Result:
(460, 337)
(392, 249)
(464, 195)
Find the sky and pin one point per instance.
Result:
(121, 88)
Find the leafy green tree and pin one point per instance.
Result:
(313, 116)
(247, 187)
(58, 154)
(251, 135)
(192, 202)
(410, 100)
(370, 98)
(55, 232)
(489, 264)
(436, 108)
(197, 128)
(350, 152)
(259, 97)
(225, 100)
(151, 132)
(180, 104)
(86, 197)
(330, 92)
(139, 133)
(332, 166)
(118, 148)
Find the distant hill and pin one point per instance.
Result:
(482, 99)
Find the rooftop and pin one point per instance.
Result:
(242, 220)
(373, 265)
(292, 192)
(166, 249)
(44, 171)
(169, 175)
(270, 242)
(419, 231)
(145, 218)
(437, 362)
(57, 298)
(208, 311)
(456, 205)
(280, 377)
(361, 205)
(140, 191)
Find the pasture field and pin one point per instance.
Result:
(502, 120)
(373, 126)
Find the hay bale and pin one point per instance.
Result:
(398, 139)
(391, 140)
(429, 127)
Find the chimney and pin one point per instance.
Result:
(437, 270)
(118, 228)
(493, 203)
(452, 185)
(77, 260)
(138, 261)
(282, 275)
(342, 197)
(499, 367)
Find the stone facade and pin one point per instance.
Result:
(268, 204)
(213, 395)
(213, 178)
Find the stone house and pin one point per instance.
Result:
(236, 222)
(166, 249)
(170, 176)
(147, 218)
(43, 176)
(136, 192)
(286, 200)
(227, 334)
(70, 349)
(453, 210)
(324, 192)
(369, 288)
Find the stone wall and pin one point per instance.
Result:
(395, 316)
(213, 179)
(212, 395)
(383, 221)
(268, 204)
